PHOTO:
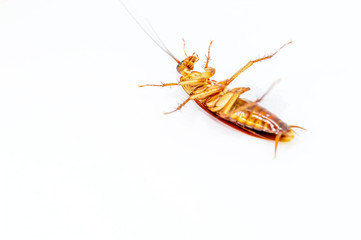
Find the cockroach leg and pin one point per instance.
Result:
(222, 103)
(250, 63)
(199, 96)
(159, 85)
(206, 93)
(193, 81)
(208, 56)
(180, 106)
(184, 47)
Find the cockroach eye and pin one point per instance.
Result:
(180, 63)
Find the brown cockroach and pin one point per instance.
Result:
(222, 103)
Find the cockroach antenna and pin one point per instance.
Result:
(155, 38)
(215, 98)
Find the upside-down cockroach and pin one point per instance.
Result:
(223, 103)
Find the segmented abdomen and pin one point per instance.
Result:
(257, 118)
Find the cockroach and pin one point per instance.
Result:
(221, 102)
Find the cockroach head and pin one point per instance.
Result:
(187, 65)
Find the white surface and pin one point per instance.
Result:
(86, 154)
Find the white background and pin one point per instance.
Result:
(86, 154)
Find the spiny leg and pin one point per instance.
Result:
(208, 56)
(180, 106)
(206, 93)
(184, 50)
(159, 85)
(184, 47)
(250, 63)
(199, 96)
(192, 81)
(196, 81)
(209, 70)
